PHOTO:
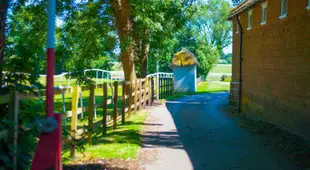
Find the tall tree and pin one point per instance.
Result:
(86, 36)
(3, 13)
(205, 33)
(122, 12)
(154, 22)
(26, 40)
(211, 20)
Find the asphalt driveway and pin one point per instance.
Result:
(195, 132)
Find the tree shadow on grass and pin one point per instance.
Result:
(134, 136)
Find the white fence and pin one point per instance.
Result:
(98, 75)
(161, 74)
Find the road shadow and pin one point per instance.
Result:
(213, 139)
(161, 139)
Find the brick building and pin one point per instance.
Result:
(273, 39)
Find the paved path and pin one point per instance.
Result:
(195, 133)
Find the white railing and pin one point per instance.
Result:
(104, 74)
(117, 75)
(161, 74)
(64, 79)
(60, 78)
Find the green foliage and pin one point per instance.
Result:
(207, 56)
(204, 31)
(227, 79)
(29, 112)
(102, 63)
(25, 48)
(227, 58)
(223, 77)
(154, 25)
(212, 21)
(86, 36)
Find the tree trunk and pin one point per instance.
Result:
(3, 13)
(144, 55)
(137, 53)
(122, 12)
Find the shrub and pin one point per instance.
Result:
(228, 79)
(223, 77)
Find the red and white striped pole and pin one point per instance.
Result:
(51, 14)
(48, 152)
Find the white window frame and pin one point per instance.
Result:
(250, 12)
(283, 13)
(308, 7)
(238, 26)
(264, 11)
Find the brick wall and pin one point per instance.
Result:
(276, 65)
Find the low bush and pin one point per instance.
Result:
(223, 77)
(228, 79)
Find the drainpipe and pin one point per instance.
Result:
(240, 64)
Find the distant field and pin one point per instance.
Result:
(207, 87)
(204, 87)
(221, 68)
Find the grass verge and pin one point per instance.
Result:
(221, 68)
(204, 87)
(122, 143)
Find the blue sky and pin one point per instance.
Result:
(228, 49)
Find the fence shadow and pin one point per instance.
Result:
(161, 139)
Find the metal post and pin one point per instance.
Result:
(52, 160)
(64, 106)
(96, 78)
(81, 103)
(95, 108)
(51, 12)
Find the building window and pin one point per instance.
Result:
(308, 7)
(284, 8)
(250, 19)
(264, 13)
(238, 26)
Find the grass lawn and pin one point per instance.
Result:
(221, 68)
(207, 87)
(123, 143)
(71, 82)
(37, 107)
(85, 96)
(204, 87)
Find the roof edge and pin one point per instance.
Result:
(241, 7)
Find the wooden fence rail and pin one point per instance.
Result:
(135, 96)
